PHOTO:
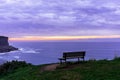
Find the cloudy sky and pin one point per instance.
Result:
(60, 19)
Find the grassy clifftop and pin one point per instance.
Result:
(89, 70)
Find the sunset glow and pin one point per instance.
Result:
(50, 38)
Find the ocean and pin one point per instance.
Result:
(49, 52)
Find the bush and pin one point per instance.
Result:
(11, 66)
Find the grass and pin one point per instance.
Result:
(89, 70)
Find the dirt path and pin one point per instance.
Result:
(50, 67)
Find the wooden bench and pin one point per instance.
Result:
(71, 55)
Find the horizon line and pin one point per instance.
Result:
(61, 38)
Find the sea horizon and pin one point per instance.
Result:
(48, 52)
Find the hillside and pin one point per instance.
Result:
(89, 70)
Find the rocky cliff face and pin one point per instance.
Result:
(4, 41)
(4, 45)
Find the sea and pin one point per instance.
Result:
(48, 52)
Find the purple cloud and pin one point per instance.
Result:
(64, 17)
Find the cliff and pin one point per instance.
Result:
(4, 45)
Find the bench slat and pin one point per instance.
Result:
(73, 54)
(70, 55)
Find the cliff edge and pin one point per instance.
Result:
(4, 45)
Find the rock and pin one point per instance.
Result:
(4, 41)
(7, 49)
(4, 45)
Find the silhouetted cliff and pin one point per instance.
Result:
(4, 41)
(4, 45)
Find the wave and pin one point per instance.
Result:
(29, 50)
(16, 57)
(23, 50)
(3, 53)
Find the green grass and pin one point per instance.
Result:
(89, 70)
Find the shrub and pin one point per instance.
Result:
(11, 66)
(116, 59)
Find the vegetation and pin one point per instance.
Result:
(9, 67)
(88, 70)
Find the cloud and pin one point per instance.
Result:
(59, 17)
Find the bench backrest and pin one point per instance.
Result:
(73, 54)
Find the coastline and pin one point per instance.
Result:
(7, 49)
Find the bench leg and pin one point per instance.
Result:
(65, 60)
(78, 59)
(60, 61)
(83, 59)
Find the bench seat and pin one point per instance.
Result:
(72, 55)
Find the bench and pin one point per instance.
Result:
(71, 55)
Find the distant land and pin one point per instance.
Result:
(4, 45)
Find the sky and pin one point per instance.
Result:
(60, 19)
